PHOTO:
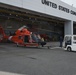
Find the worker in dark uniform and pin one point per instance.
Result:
(61, 41)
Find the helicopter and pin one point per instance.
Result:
(3, 36)
(24, 37)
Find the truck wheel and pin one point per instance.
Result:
(69, 49)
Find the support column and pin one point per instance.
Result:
(68, 28)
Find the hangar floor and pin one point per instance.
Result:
(32, 61)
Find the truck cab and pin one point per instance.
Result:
(69, 43)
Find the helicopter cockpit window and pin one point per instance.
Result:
(34, 37)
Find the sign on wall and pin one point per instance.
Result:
(59, 7)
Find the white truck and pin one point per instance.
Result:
(69, 42)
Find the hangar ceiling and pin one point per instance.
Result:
(19, 15)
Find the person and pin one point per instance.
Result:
(42, 39)
(61, 41)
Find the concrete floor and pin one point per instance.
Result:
(36, 61)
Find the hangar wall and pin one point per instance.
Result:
(50, 7)
(54, 8)
(68, 28)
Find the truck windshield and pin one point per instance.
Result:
(67, 38)
(74, 37)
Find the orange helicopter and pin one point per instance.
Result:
(3, 36)
(23, 37)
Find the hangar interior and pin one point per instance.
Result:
(49, 27)
(74, 28)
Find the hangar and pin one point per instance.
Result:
(50, 17)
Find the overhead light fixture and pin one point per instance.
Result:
(10, 13)
(16, 15)
(8, 17)
(9, 27)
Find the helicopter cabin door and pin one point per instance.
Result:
(26, 39)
